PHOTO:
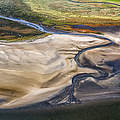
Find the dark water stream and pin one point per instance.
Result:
(109, 3)
(69, 91)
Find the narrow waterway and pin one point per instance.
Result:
(70, 89)
(109, 3)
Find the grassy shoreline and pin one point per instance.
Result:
(58, 13)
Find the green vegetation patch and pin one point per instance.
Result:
(55, 13)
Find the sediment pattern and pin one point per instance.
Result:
(65, 67)
(62, 68)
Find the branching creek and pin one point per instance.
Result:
(69, 91)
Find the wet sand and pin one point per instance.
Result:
(36, 71)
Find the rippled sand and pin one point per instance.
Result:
(36, 71)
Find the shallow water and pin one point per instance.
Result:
(68, 92)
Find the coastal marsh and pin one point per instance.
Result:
(58, 52)
(57, 13)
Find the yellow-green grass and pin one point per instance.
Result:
(13, 31)
(113, 1)
(29, 38)
(59, 13)
(64, 9)
(51, 12)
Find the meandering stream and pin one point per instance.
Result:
(109, 3)
(103, 75)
